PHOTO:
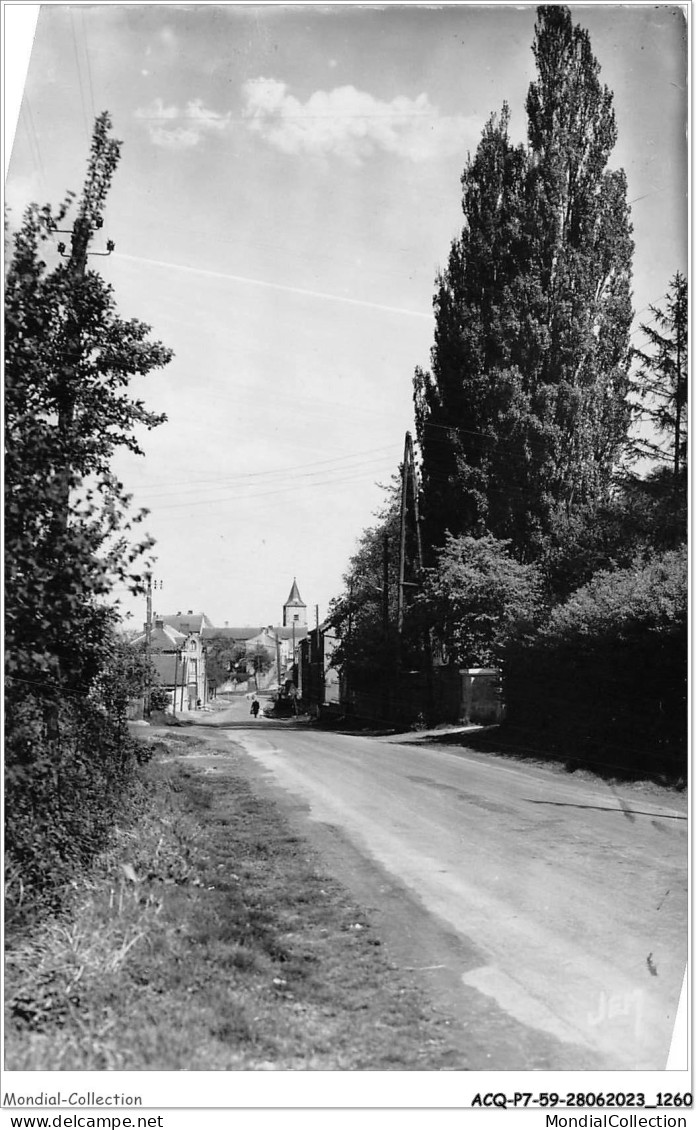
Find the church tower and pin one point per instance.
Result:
(294, 609)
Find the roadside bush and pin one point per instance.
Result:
(477, 598)
(61, 793)
(604, 681)
(159, 699)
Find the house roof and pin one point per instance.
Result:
(163, 639)
(250, 633)
(188, 621)
(167, 670)
(299, 632)
(231, 633)
(295, 597)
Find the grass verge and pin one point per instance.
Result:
(208, 938)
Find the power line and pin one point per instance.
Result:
(89, 67)
(285, 470)
(79, 73)
(263, 494)
(33, 139)
(328, 474)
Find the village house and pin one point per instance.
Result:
(318, 683)
(280, 641)
(178, 644)
(177, 653)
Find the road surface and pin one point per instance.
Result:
(546, 914)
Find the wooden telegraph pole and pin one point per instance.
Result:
(385, 628)
(148, 642)
(148, 638)
(409, 477)
(402, 538)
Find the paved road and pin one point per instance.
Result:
(548, 913)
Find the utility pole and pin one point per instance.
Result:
(385, 627)
(402, 537)
(408, 475)
(385, 586)
(148, 638)
(320, 661)
(680, 315)
(347, 681)
(430, 680)
(416, 512)
(148, 642)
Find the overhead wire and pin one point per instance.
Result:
(243, 479)
(290, 489)
(79, 74)
(89, 66)
(33, 139)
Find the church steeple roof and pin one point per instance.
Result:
(295, 597)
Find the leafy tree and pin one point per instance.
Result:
(525, 407)
(259, 659)
(477, 597)
(222, 656)
(68, 361)
(640, 517)
(364, 616)
(662, 381)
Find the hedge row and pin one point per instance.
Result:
(61, 795)
(604, 681)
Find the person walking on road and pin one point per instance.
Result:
(255, 706)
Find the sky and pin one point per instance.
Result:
(288, 188)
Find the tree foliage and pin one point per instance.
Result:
(663, 379)
(476, 597)
(68, 361)
(221, 657)
(259, 659)
(524, 407)
(605, 679)
(69, 532)
(363, 615)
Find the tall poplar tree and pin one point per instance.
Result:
(524, 412)
(458, 403)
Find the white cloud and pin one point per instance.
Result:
(172, 128)
(353, 124)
